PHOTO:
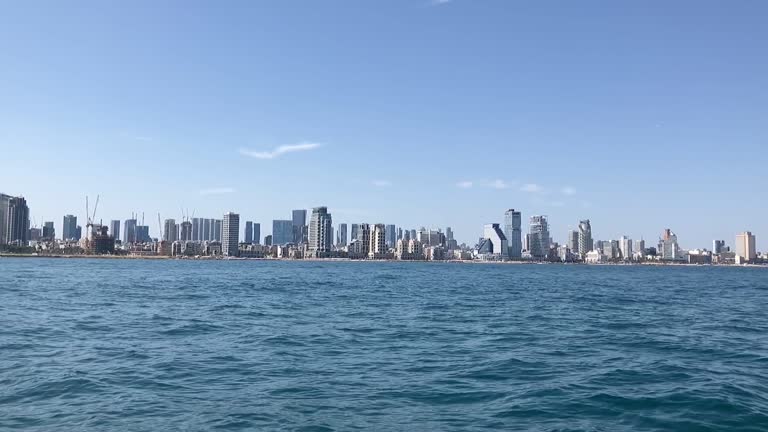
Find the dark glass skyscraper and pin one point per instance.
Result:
(282, 232)
(17, 231)
(513, 233)
(69, 227)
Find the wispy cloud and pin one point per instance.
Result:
(498, 184)
(382, 183)
(531, 188)
(217, 191)
(279, 151)
(465, 184)
(439, 2)
(568, 190)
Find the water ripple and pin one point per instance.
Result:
(310, 346)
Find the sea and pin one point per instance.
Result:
(166, 345)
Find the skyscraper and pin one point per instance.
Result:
(249, 232)
(391, 236)
(129, 235)
(513, 233)
(49, 232)
(230, 234)
(494, 237)
(185, 231)
(4, 201)
(114, 229)
(745, 246)
(169, 230)
(257, 233)
(343, 241)
(320, 233)
(355, 234)
(573, 242)
(282, 232)
(299, 219)
(378, 242)
(625, 246)
(207, 230)
(196, 229)
(668, 246)
(586, 244)
(218, 229)
(539, 230)
(364, 236)
(718, 246)
(69, 227)
(18, 221)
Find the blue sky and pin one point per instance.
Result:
(637, 115)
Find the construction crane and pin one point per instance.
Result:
(90, 217)
(160, 226)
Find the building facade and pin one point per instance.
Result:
(4, 202)
(342, 234)
(745, 246)
(169, 230)
(248, 232)
(299, 220)
(320, 239)
(114, 229)
(539, 239)
(230, 243)
(586, 243)
(513, 233)
(17, 222)
(377, 248)
(282, 232)
(69, 227)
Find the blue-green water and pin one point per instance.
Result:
(110, 345)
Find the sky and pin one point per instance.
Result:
(637, 115)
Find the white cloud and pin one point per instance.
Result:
(382, 183)
(217, 191)
(498, 184)
(568, 190)
(283, 149)
(440, 2)
(465, 184)
(531, 187)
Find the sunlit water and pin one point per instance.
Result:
(190, 345)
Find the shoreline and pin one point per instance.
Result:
(162, 258)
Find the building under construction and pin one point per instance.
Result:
(99, 242)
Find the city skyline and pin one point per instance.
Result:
(636, 133)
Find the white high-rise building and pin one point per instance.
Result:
(320, 237)
(625, 246)
(745, 246)
(493, 234)
(230, 234)
(586, 244)
(378, 242)
(668, 246)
